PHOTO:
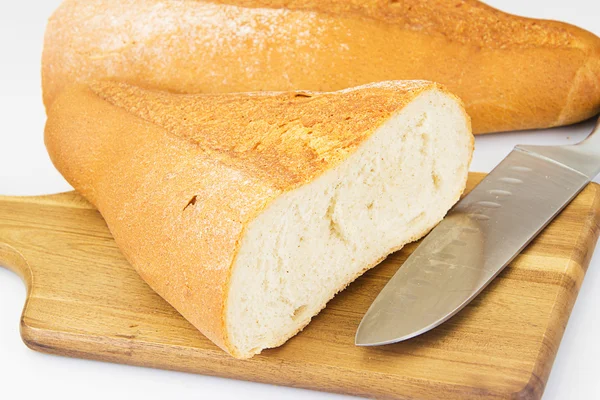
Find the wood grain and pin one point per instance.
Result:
(85, 300)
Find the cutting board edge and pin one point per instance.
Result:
(71, 199)
(48, 342)
(571, 281)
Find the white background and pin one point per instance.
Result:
(26, 170)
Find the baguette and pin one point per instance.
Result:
(511, 72)
(248, 212)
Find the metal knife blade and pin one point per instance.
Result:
(478, 238)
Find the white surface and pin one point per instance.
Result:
(25, 169)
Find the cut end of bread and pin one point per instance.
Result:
(311, 242)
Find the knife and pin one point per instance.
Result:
(480, 235)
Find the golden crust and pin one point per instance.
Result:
(179, 177)
(259, 137)
(464, 21)
(511, 72)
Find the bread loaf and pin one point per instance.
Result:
(248, 212)
(511, 72)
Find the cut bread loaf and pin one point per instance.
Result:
(511, 72)
(249, 211)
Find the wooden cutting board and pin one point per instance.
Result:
(84, 300)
